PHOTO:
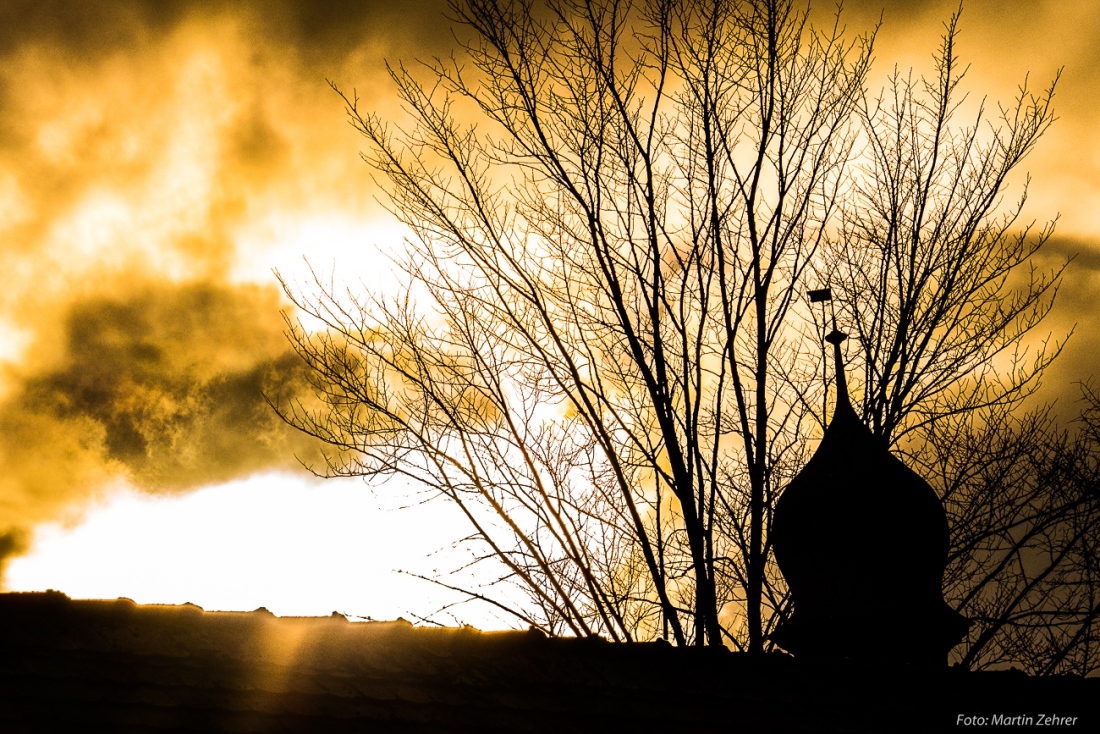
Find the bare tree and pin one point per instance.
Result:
(1023, 497)
(935, 277)
(597, 367)
(600, 353)
(938, 281)
(764, 178)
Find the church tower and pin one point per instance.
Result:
(862, 541)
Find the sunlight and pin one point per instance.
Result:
(293, 545)
(356, 247)
(14, 340)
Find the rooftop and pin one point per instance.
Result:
(120, 666)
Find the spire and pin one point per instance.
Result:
(836, 338)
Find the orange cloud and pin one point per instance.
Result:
(164, 389)
(142, 142)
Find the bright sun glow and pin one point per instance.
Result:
(295, 546)
(358, 248)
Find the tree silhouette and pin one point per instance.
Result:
(934, 276)
(1023, 498)
(937, 280)
(601, 354)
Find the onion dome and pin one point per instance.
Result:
(862, 541)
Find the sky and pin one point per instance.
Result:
(160, 159)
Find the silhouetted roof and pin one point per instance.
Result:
(122, 667)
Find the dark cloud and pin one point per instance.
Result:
(163, 388)
(13, 543)
(1076, 313)
(315, 28)
(122, 101)
(140, 141)
(1084, 253)
(84, 28)
(254, 144)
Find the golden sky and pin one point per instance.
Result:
(158, 158)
